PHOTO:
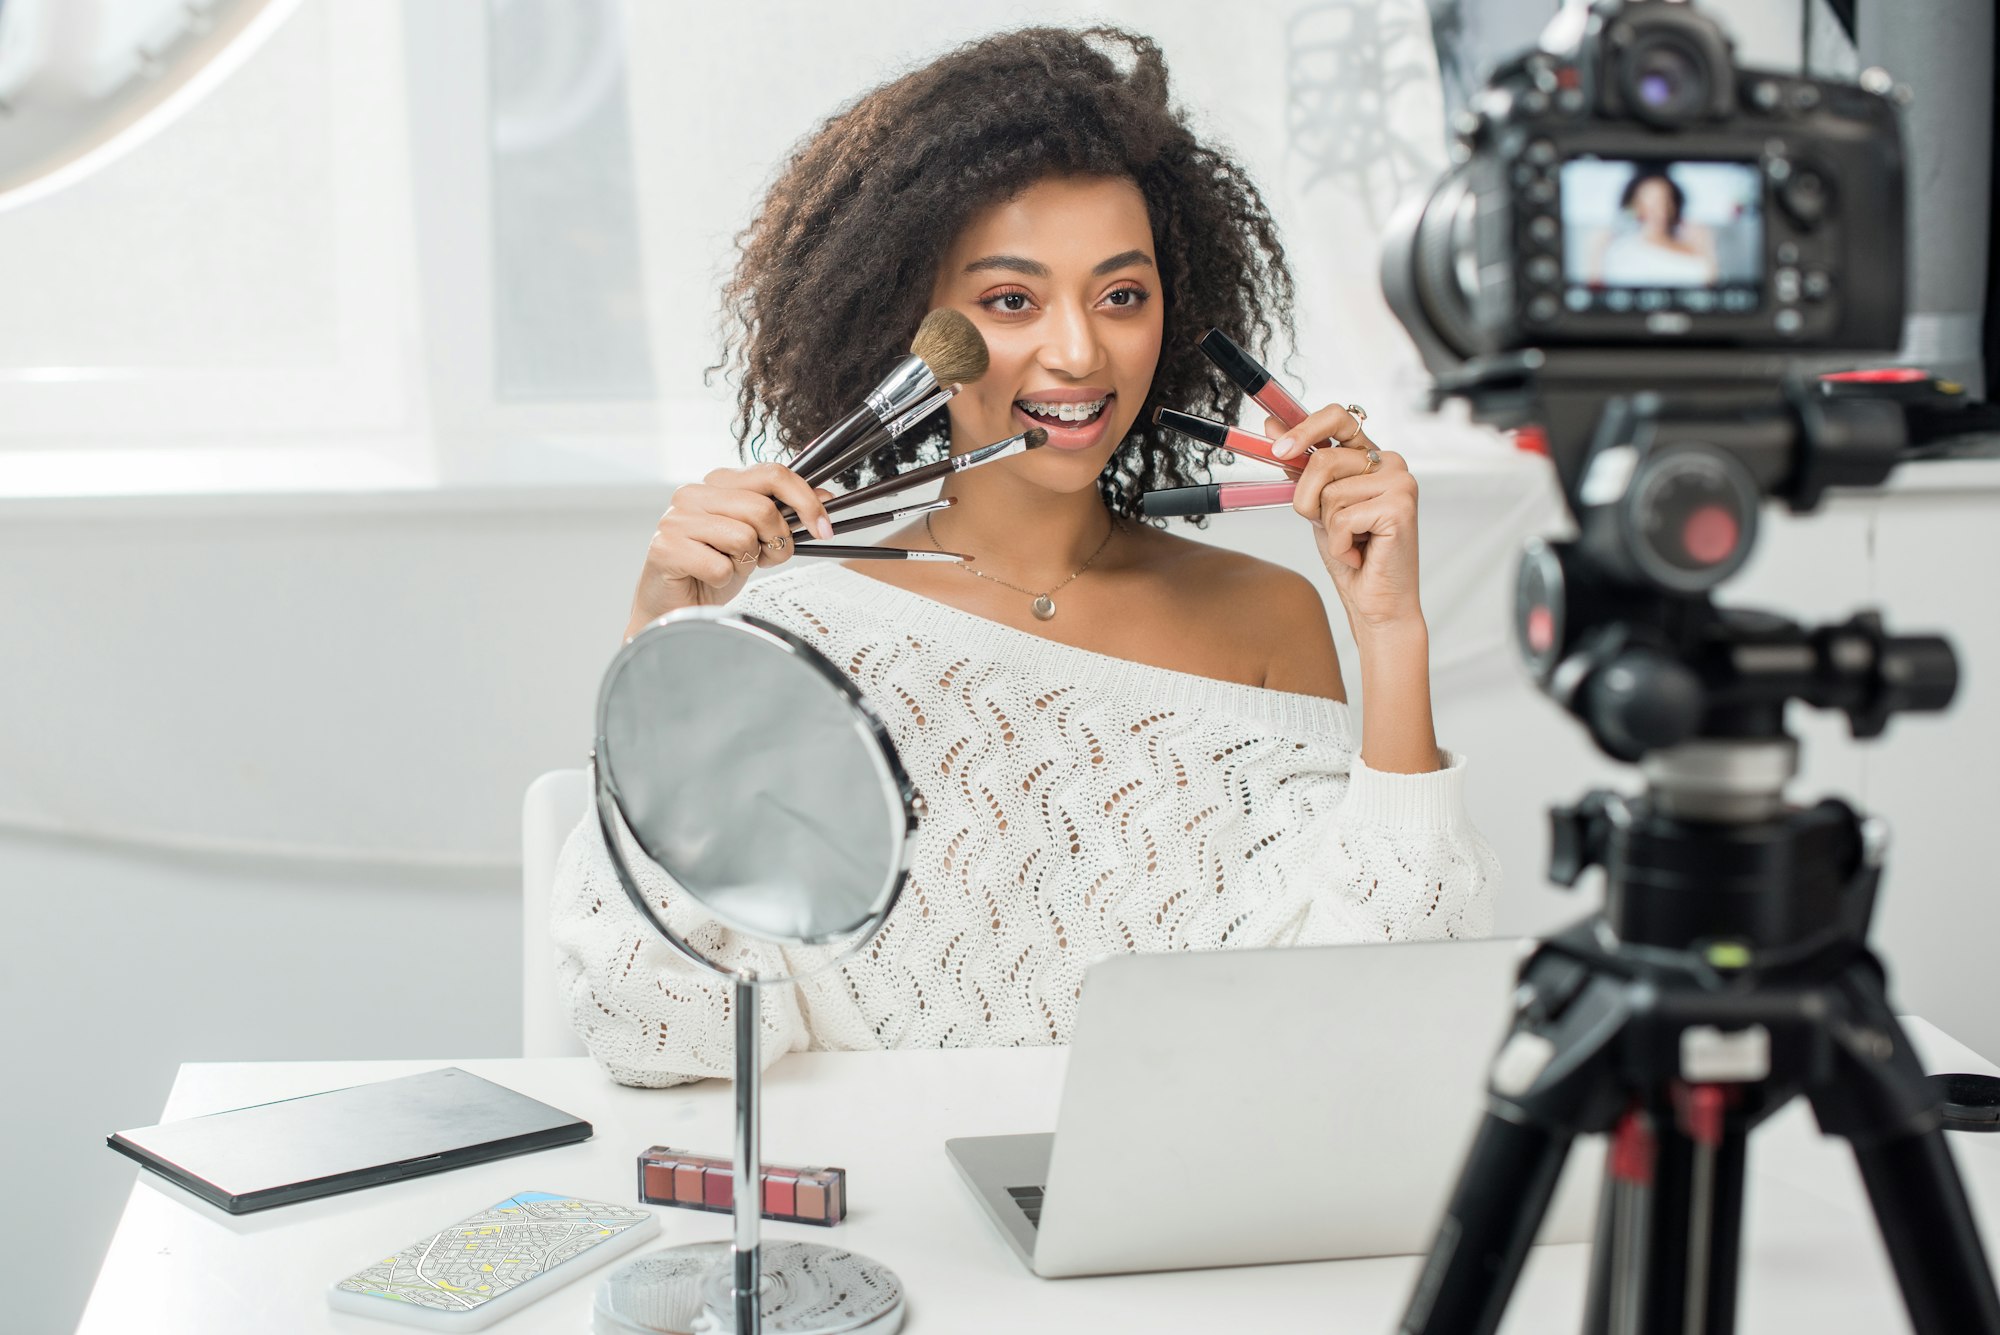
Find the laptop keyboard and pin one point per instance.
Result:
(1030, 1201)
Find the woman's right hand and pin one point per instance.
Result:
(716, 531)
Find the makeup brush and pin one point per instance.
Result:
(882, 435)
(800, 535)
(947, 350)
(847, 553)
(1031, 439)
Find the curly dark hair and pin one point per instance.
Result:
(836, 269)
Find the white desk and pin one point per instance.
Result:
(1814, 1262)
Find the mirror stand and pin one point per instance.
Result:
(793, 1288)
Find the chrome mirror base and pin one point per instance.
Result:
(807, 1289)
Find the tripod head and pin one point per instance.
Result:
(1618, 625)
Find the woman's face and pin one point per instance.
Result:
(1061, 281)
(1653, 202)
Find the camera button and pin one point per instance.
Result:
(1788, 321)
(1818, 285)
(1785, 285)
(1788, 252)
(1804, 196)
(1542, 230)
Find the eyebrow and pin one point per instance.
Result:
(1036, 269)
(1128, 258)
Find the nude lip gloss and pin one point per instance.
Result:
(669, 1176)
(1251, 377)
(1232, 438)
(1216, 498)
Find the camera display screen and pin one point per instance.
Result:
(1662, 236)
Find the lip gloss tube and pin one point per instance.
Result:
(1232, 438)
(669, 1176)
(1251, 377)
(1216, 498)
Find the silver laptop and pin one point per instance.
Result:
(1235, 1107)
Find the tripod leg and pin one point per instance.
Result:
(1669, 1227)
(1715, 1234)
(1932, 1240)
(1874, 1095)
(1495, 1210)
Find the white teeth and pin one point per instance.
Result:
(1063, 412)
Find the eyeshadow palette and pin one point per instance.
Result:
(705, 1182)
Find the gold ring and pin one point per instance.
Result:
(1357, 412)
(1374, 460)
(776, 544)
(744, 560)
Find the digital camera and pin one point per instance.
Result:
(1638, 188)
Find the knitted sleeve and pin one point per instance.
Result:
(1399, 861)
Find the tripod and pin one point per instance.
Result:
(1727, 972)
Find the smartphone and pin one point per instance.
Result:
(491, 1264)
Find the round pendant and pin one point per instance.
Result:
(1045, 608)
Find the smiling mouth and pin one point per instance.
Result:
(1064, 414)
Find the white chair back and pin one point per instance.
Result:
(555, 803)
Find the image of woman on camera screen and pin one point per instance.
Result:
(1663, 229)
(1163, 761)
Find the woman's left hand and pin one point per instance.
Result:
(1364, 522)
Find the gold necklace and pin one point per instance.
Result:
(1044, 606)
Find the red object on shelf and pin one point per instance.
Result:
(1531, 440)
(1880, 375)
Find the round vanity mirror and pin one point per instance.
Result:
(753, 775)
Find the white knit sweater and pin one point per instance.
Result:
(1078, 805)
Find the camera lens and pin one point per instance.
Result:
(1666, 82)
(1430, 266)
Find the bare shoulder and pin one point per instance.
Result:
(1272, 610)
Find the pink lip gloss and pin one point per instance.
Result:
(1217, 498)
(1232, 438)
(1251, 377)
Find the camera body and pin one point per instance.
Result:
(1640, 189)
(1639, 251)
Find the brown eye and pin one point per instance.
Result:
(1007, 303)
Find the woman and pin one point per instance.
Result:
(1659, 249)
(1166, 763)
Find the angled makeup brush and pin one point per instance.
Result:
(847, 553)
(800, 535)
(947, 350)
(1031, 439)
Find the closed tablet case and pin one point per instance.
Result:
(293, 1150)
